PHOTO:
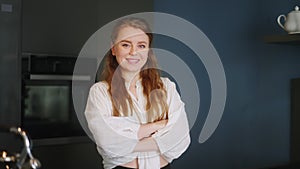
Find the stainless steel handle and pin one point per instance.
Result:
(19, 159)
(60, 77)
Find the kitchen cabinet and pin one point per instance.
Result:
(291, 39)
(52, 27)
(63, 26)
(295, 118)
(10, 73)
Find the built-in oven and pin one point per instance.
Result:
(47, 104)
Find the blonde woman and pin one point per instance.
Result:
(136, 117)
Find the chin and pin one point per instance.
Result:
(130, 69)
(134, 70)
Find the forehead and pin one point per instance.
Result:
(132, 34)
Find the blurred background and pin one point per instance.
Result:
(40, 41)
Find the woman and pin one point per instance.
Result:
(133, 112)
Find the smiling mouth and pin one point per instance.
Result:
(132, 61)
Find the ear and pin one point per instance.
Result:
(112, 49)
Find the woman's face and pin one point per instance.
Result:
(131, 49)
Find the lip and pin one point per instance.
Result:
(132, 60)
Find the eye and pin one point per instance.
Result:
(125, 45)
(142, 46)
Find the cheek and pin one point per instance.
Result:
(144, 53)
(119, 59)
(119, 54)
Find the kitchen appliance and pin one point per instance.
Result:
(47, 104)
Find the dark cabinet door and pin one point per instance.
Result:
(295, 121)
(63, 26)
(10, 74)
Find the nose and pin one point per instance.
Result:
(133, 51)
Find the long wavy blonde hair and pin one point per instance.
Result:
(153, 87)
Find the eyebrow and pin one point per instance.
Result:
(131, 42)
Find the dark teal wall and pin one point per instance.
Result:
(254, 130)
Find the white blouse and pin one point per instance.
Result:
(116, 137)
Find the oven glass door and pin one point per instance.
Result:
(48, 109)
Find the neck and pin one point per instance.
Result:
(130, 77)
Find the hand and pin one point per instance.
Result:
(160, 124)
(146, 130)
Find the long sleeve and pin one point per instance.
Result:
(114, 136)
(174, 139)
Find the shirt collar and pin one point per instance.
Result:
(138, 83)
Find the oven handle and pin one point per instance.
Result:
(60, 77)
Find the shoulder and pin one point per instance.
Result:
(168, 83)
(101, 86)
(171, 88)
